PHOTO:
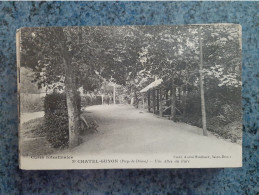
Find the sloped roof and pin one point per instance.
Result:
(152, 85)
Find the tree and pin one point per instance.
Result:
(26, 75)
(172, 57)
(57, 53)
(133, 56)
(203, 110)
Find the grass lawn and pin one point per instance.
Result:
(33, 140)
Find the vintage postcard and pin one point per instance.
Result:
(115, 97)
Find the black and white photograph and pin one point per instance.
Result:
(110, 97)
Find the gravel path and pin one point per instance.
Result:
(27, 116)
(125, 129)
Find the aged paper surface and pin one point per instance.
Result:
(114, 97)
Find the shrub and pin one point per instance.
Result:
(89, 101)
(97, 100)
(86, 101)
(56, 119)
(222, 110)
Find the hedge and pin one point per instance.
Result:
(56, 119)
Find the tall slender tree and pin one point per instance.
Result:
(203, 108)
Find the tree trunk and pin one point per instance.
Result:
(173, 100)
(143, 101)
(203, 109)
(157, 99)
(114, 94)
(184, 101)
(136, 98)
(154, 100)
(166, 95)
(148, 100)
(72, 104)
(160, 102)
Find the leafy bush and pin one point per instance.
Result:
(56, 119)
(86, 101)
(97, 100)
(223, 111)
(89, 101)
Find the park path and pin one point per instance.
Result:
(125, 129)
(27, 116)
